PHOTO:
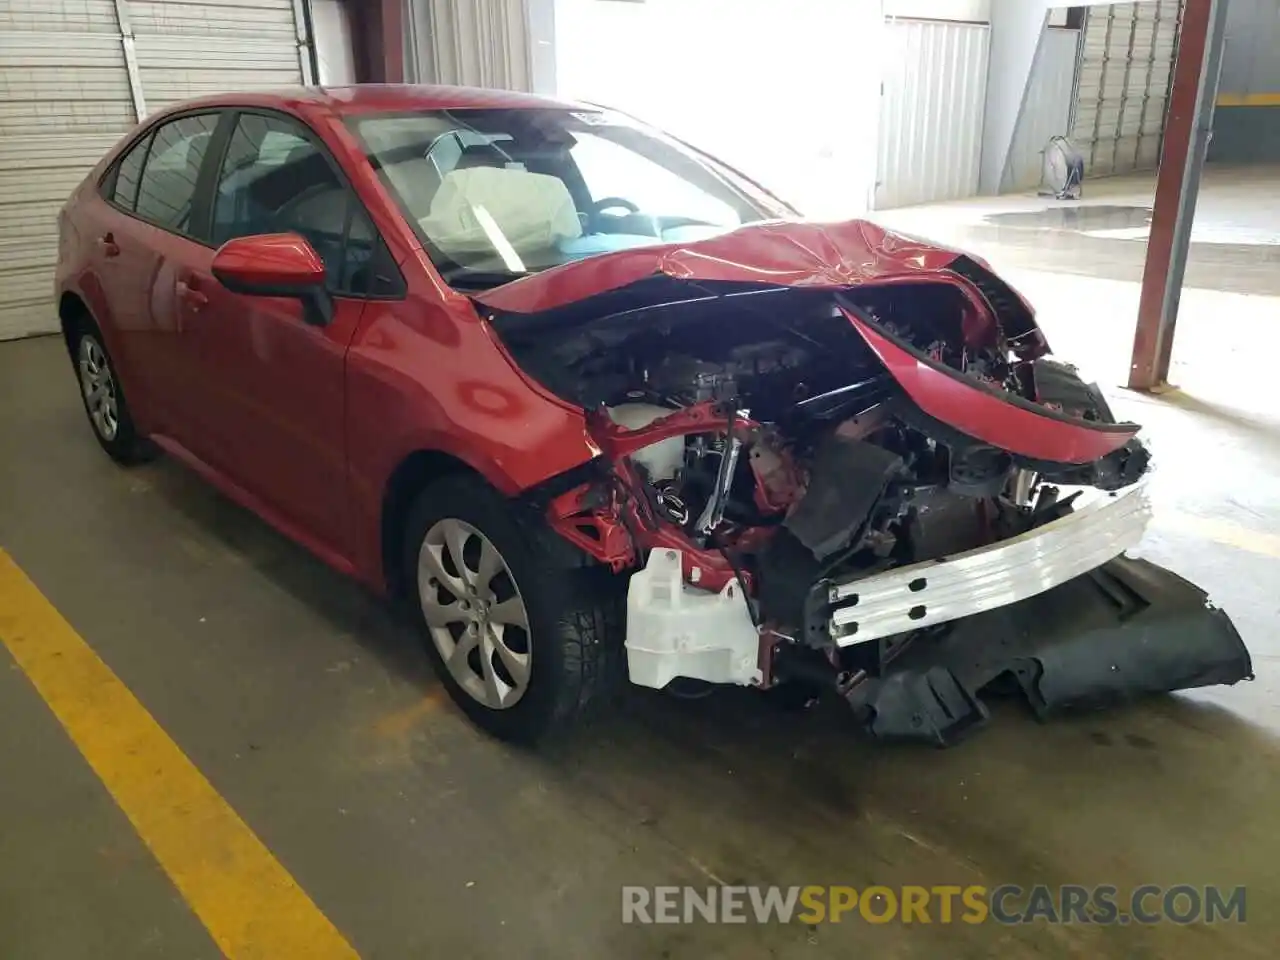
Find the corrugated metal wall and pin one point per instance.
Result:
(1246, 123)
(1122, 85)
(1046, 112)
(66, 97)
(931, 111)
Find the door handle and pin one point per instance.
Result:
(108, 244)
(190, 295)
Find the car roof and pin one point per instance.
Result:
(381, 97)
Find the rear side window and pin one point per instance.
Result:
(167, 187)
(124, 191)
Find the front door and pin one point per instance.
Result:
(271, 381)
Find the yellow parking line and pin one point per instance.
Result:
(1249, 100)
(1221, 531)
(248, 902)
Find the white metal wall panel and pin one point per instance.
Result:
(1122, 86)
(64, 99)
(931, 112)
(190, 48)
(1046, 111)
(335, 51)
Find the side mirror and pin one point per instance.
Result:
(276, 265)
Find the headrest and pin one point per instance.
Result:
(480, 155)
(299, 153)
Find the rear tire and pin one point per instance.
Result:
(523, 645)
(104, 401)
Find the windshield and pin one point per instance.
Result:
(499, 194)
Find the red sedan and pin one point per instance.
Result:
(596, 405)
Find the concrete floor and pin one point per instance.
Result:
(314, 714)
(1235, 236)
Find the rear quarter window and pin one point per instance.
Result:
(121, 187)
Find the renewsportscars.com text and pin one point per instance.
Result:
(1005, 904)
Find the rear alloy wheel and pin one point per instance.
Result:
(99, 388)
(523, 643)
(475, 614)
(104, 402)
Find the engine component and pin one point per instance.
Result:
(674, 630)
(788, 570)
(661, 460)
(1115, 471)
(846, 482)
(979, 471)
(671, 504)
(1058, 386)
(692, 380)
(713, 512)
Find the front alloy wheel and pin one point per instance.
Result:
(524, 642)
(475, 613)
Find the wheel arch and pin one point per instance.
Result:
(74, 317)
(425, 466)
(411, 475)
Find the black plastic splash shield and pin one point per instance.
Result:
(1125, 630)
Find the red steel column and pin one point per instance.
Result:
(392, 40)
(1154, 336)
(377, 28)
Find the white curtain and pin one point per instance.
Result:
(474, 43)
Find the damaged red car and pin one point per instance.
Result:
(596, 406)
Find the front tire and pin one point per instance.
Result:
(104, 401)
(523, 645)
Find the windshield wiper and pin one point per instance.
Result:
(464, 279)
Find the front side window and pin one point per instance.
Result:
(498, 194)
(167, 187)
(276, 179)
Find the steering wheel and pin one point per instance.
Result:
(612, 203)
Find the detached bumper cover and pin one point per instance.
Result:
(1027, 430)
(1127, 629)
(938, 591)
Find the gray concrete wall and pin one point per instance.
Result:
(1246, 127)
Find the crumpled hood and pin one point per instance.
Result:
(836, 257)
(777, 252)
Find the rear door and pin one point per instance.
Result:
(152, 216)
(270, 385)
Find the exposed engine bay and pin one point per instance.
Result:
(772, 458)
(762, 418)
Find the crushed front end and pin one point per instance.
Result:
(882, 486)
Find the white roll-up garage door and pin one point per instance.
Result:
(1122, 84)
(64, 99)
(67, 94)
(189, 49)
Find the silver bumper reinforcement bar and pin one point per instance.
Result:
(938, 591)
